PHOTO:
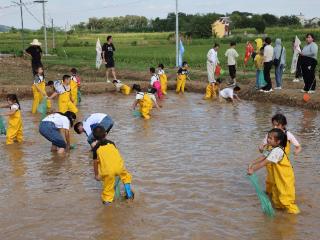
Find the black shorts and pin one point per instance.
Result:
(232, 71)
(110, 63)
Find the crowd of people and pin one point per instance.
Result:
(108, 163)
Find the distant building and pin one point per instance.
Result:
(302, 19)
(221, 27)
(314, 21)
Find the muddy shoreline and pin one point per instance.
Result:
(288, 97)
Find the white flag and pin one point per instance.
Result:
(296, 51)
(99, 57)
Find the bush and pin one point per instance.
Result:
(260, 26)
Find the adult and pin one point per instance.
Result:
(267, 64)
(107, 56)
(35, 52)
(212, 62)
(309, 62)
(279, 61)
(56, 129)
(91, 122)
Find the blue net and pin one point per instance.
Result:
(117, 188)
(136, 113)
(3, 130)
(79, 96)
(266, 205)
(42, 108)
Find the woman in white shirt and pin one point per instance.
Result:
(267, 64)
(56, 129)
(212, 62)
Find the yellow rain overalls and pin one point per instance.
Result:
(74, 90)
(64, 101)
(125, 89)
(110, 165)
(146, 105)
(37, 95)
(181, 82)
(211, 91)
(15, 128)
(164, 83)
(283, 189)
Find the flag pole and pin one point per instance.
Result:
(177, 35)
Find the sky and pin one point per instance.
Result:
(68, 12)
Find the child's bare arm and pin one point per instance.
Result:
(256, 166)
(53, 95)
(135, 103)
(95, 169)
(9, 113)
(156, 104)
(4, 106)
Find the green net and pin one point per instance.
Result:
(42, 108)
(79, 96)
(2, 126)
(117, 188)
(136, 113)
(73, 146)
(266, 205)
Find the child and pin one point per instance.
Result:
(39, 90)
(15, 126)
(144, 100)
(56, 129)
(151, 93)
(212, 89)
(229, 94)
(232, 54)
(155, 82)
(74, 85)
(182, 76)
(91, 122)
(283, 189)
(278, 121)
(125, 89)
(258, 62)
(163, 79)
(107, 165)
(63, 90)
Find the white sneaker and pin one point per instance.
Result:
(268, 91)
(311, 91)
(277, 88)
(303, 91)
(296, 80)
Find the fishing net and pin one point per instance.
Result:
(266, 205)
(2, 127)
(79, 96)
(73, 146)
(261, 81)
(136, 113)
(117, 188)
(42, 108)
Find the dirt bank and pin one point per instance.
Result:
(15, 77)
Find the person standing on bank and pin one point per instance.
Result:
(267, 64)
(35, 52)
(279, 62)
(107, 56)
(309, 62)
(212, 62)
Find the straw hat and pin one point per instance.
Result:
(35, 42)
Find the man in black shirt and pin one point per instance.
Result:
(107, 56)
(35, 52)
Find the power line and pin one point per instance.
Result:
(35, 18)
(17, 5)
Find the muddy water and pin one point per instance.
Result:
(188, 165)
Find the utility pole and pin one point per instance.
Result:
(22, 29)
(177, 35)
(53, 42)
(44, 23)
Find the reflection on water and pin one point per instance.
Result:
(188, 164)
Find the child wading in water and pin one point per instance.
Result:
(283, 189)
(15, 126)
(155, 82)
(39, 90)
(144, 100)
(212, 90)
(75, 85)
(125, 89)
(107, 165)
(278, 121)
(182, 76)
(163, 79)
(62, 89)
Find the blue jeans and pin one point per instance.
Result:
(106, 123)
(278, 75)
(52, 134)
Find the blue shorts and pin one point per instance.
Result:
(106, 123)
(52, 134)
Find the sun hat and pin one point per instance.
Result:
(35, 42)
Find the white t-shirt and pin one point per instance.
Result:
(227, 93)
(14, 106)
(59, 120)
(212, 56)
(60, 88)
(232, 54)
(93, 119)
(161, 71)
(152, 96)
(268, 53)
(118, 85)
(275, 155)
(290, 136)
(38, 79)
(154, 79)
(139, 95)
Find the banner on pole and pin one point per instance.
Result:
(99, 57)
(181, 52)
(296, 51)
